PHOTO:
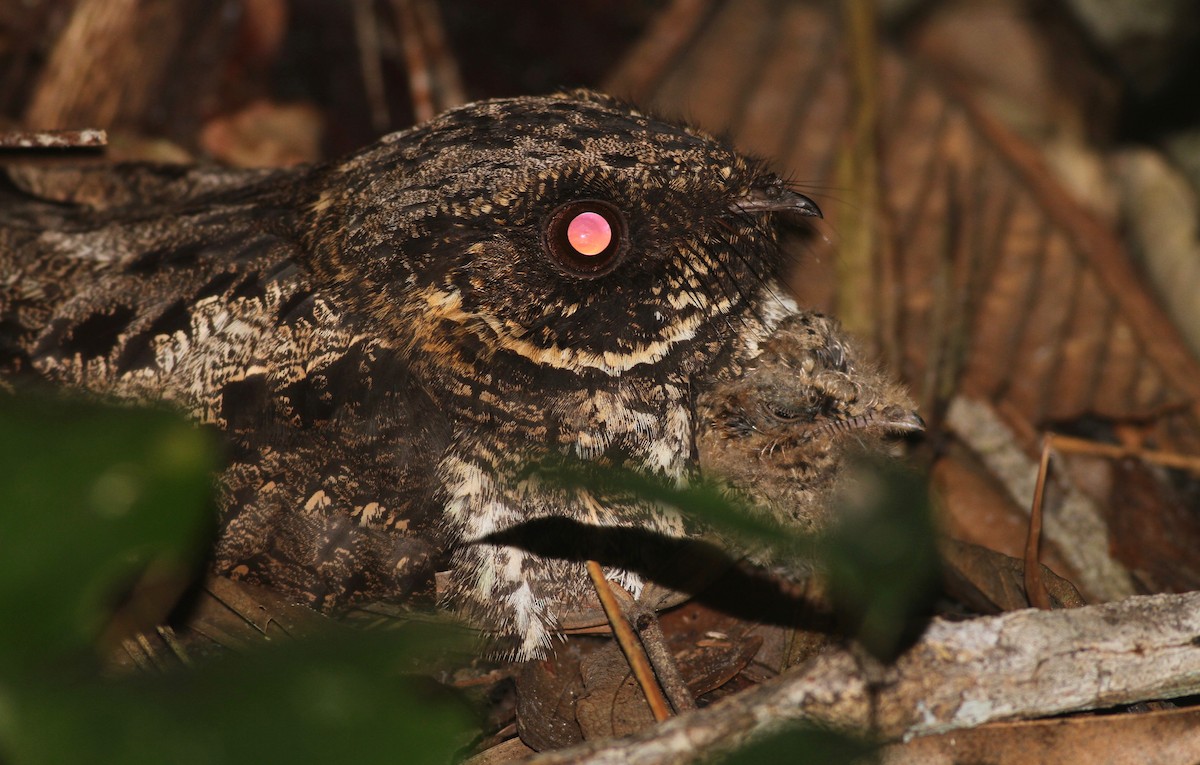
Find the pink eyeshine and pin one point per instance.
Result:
(589, 233)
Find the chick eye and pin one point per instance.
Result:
(586, 237)
(791, 415)
(794, 411)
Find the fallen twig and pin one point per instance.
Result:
(1020, 665)
(433, 80)
(1072, 445)
(53, 139)
(1035, 590)
(665, 669)
(630, 646)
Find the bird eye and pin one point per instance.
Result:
(793, 411)
(790, 415)
(586, 237)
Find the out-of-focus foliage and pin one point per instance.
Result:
(91, 497)
(804, 746)
(881, 556)
(337, 698)
(94, 498)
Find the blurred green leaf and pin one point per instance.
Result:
(703, 502)
(90, 496)
(804, 745)
(881, 555)
(338, 698)
(93, 495)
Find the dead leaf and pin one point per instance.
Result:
(612, 704)
(988, 279)
(975, 507)
(265, 135)
(991, 582)
(547, 692)
(1060, 325)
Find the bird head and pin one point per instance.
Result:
(779, 432)
(569, 233)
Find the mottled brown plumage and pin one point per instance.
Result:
(386, 340)
(779, 431)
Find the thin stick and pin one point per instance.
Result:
(1166, 459)
(416, 60)
(665, 668)
(53, 139)
(133, 649)
(1035, 589)
(447, 81)
(172, 640)
(630, 646)
(367, 36)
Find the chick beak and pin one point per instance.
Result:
(904, 422)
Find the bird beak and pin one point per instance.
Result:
(904, 422)
(776, 199)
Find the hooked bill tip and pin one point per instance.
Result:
(778, 200)
(907, 422)
(806, 206)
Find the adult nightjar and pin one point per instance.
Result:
(388, 339)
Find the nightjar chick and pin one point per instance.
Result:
(778, 432)
(388, 339)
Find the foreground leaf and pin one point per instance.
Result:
(881, 556)
(341, 698)
(91, 496)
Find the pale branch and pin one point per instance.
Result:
(1019, 665)
(52, 139)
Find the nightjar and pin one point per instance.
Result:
(779, 431)
(388, 339)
